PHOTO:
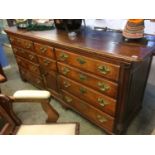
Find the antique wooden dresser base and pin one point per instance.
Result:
(97, 74)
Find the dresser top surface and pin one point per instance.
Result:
(108, 43)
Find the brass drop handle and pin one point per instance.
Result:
(103, 69)
(31, 57)
(103, 86)
(82, 77)
(83, 90)
(101, 119)
(65, 70)
(81, 60)
(102, 102)
(68, 99)
(43, 49)
(66, 84)
(28, 45)
(63, 56)
(46, 62)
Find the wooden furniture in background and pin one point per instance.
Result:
(97, 74)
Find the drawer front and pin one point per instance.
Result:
(91, 96)
(34, 68)
(32, 78)
(104, 86)
(91, 113)
(47, 65)
(97, 67)
(25, 54)
(19, 52)
(26, 44)
(44, 50)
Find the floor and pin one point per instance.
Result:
(143, 124)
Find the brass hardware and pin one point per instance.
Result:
(81, 60)
(82, 77)
(101, 118)
(101, 101)
(104, 69)
(63, 56)
(103, 86)
(28, 45)
(65, 70)
(83, 90)
(46, 62)
(31, 57)
(66, 84)
(43, 49)
(68, 99)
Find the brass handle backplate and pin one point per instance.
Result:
(43, 49)
(29, 45)
(31, 57)
(63, 56)
(82, 77)
(46, 62)
(103, 86)
(68, 99)
(83, 90)
(104, 69)
(81, 60)
(66, 84)
(65, 70)
(101, 119)
(102, 102)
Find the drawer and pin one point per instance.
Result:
(19, 51)
(32, 78)
(31, 67)
(26, 44)
(47, 65)
(94, 66)
(89, 95)
(25, 54)
(96, 116)
(44, 50)
(104, 86)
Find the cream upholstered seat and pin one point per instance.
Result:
(48, 129)
(33, 94)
